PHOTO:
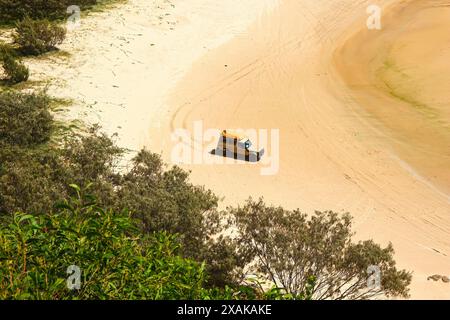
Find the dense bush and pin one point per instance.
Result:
(30, 180)
(36, 37)
(116, 261)
(15, 10)
(24, 118)
(314, 257)
(13, 70)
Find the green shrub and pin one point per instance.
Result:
(14, 70)
(36, 37)
(6, 48)
(115, 260)
(30, 180)
(24, 118)
(313, 257)
(15, 10)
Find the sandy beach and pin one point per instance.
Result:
(362, 116)
(124, 62)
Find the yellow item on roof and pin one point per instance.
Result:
(233, 135)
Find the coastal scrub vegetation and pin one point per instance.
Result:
(35, 37)
(25, 119)
(147, 232)
(12, 11)
(290, 249)
(117, 262)
(30, 37)
(14, 71)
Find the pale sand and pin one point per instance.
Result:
(281, 74)
(125, 61)
(333, 154)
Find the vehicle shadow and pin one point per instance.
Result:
(252, 157)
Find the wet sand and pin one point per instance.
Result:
(401, 76)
